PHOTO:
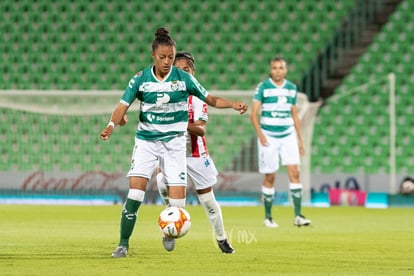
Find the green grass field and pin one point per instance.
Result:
(78, 240)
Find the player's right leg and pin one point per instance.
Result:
(214, 215)
(268, 162)
(143, 163)
(129, 213)
(203, 173)
(268, 194)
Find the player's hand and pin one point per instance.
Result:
(124, 120)
(263, 140)
(106, 133)
(240, 106)
(301, 150)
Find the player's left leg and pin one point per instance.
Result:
(173, 166)
(295, 188)
(291, 159)
(176, 198)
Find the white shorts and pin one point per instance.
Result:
(286, 149)
(202, 172)
(170, 156)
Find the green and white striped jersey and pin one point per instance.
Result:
(163, 104)
(276, 116)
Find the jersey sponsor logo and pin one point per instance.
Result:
(162, 98)
(151, 118)
(165, 119)
(276, 114)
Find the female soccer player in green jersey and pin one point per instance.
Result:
(278, 137)
(162, 90)
(200, 166)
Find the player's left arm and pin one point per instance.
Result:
(199, 91)
(219, 102)
(296, 122)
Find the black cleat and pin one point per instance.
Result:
(225, 246)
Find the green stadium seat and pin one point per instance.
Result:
(99, 50)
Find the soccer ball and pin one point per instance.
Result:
(174, 222)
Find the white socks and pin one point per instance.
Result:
(136, 194)
(162, 189)
(208, 201)
(213, 212)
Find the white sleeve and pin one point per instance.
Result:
(200, 110)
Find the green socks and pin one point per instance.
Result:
(268, 196)
(128, 219)
(268, 202)
(296, 194)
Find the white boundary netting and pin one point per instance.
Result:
(76, 103)
(307, 115)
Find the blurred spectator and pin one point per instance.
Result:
(407, 186)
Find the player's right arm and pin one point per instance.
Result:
(119, 115)
(116, 118)
(256, 107)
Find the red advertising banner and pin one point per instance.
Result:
(344, 197)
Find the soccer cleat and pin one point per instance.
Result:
(269, 222)
(120, 252)
(301, 221)
(168, 243)
(225, 246)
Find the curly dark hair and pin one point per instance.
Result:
(162, 37)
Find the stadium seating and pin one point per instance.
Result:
(99, 45)
(77, 36)
(366, 112)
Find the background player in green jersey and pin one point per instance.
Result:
(278, 137)
(162, 91)
(200, 166)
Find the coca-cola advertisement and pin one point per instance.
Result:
(92, 187)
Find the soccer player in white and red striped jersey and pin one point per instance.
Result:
(200, 167)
